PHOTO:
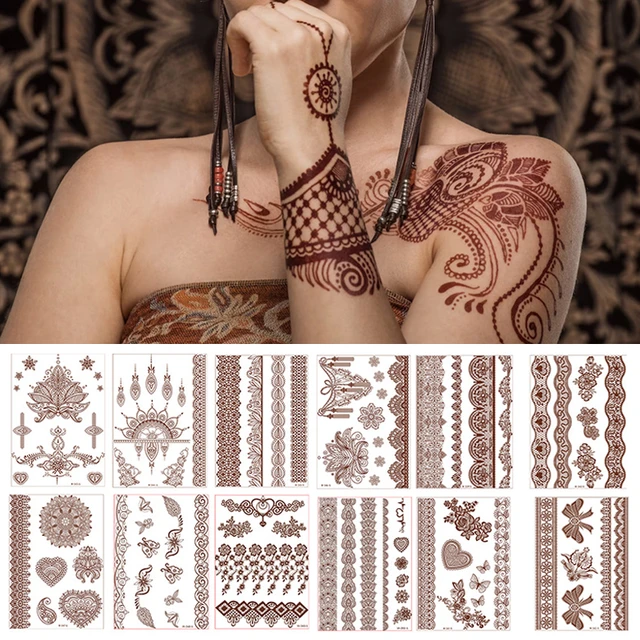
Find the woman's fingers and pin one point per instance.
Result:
(277, 21)
(257, 30)
(243, 35)
(338, 27)
(298, 15)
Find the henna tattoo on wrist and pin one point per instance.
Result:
(326, 240)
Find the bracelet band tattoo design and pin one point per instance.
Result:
(326, 240)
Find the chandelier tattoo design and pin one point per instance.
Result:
(327, 244)
(151, 430)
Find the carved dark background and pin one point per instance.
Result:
(76, 73)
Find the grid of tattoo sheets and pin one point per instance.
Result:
(329, 492)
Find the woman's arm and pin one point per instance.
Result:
(70, 289)
(335, 291)
(301, 61)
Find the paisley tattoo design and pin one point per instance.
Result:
(464, 558)
(363, 422)
(327, 244)
(576, 446)
(582, 564)
(56, 561)
(496, 206)
(159, 415)
(57, 413)
(370, 590)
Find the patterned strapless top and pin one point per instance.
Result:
(230, 312)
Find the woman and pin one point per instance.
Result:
(485, 249)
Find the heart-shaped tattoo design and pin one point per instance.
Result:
(94, 477)
(80, 607)
(20, 477)
(401, 544)
(51, 570)
(453, 557)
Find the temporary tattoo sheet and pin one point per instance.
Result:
(582, 564)
(161, 559)
(262, 562)
(464, 564)
(578, 421)
(261, 421)
(363, 421)
(365, 564)
(58, 413)
(159, 420)
(56, 562)
(464, 423)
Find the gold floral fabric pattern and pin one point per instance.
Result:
(120, 69)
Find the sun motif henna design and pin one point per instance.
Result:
(323, 87)
(327, 244)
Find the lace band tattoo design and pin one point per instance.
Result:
(578, 422)
(327, 244)
(582, 564)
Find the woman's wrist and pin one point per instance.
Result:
(299, 158)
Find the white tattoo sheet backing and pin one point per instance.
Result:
(464, 423)
(161, 558)
(577, 422)
(261, 421)
(56, 561)
(365, 564)
(582, 564)
(363, 422)
(262, 562)
(159, 420)
(464, 564)
(58, 418)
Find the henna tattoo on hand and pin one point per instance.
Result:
(326, 239)
(492, 203)
(323, 86)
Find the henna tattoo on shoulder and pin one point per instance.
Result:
(492, 203)
(327, 244)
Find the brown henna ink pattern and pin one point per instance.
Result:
(327, 244)
(492, 203)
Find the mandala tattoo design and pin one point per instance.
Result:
(322, 91)
(323, 87)
(65, 521)
(327, 244)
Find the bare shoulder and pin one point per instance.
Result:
(506, 214)
(138, 169)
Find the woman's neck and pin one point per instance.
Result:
(379, 100)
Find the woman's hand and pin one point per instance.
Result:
(301, 61)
